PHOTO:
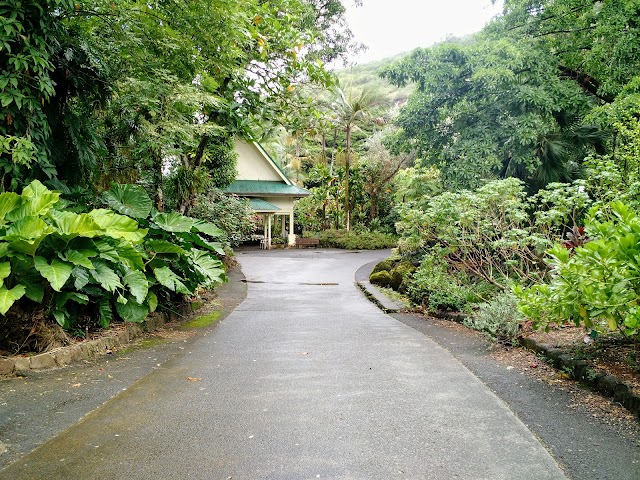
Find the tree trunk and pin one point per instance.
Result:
(347, 203)
(324, 148)
(202, 146)
(333, 151)
(373, 200)
(157, 181)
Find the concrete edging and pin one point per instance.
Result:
(89, 349)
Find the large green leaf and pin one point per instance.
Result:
(105, 276)
(137, 283)
(57, 272)
(210, 267)
(80, 258)
(132, 311)
(37, 200)
(76, 224)
(9, 297)
(118, 226)
(208, 229)
(174, 222)
(8, 202)
(62, 317)
(131, 200)
(170, 280)
(5, 270)
(162, 246)
(80, 277)
(197, 240)
(34, 286)
(129, 255)
(152, 301)
(106, 313)
(4, 248)
(26, 234)
(107, 250)
(216, 247)
(28, 247)
(62, 298)
(27, 228)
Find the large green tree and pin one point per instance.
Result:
(490, 108)
(120, 88)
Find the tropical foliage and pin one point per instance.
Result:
(117, 118)
(100, 265)
(524, 135)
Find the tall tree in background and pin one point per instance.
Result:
(348, 108)
(487, 109)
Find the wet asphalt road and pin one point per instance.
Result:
(305, 379)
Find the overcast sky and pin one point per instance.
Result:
(389, 27)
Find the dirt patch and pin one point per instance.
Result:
(611, 354)
(595, 405)
(530, 364)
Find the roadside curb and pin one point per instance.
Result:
(608, 385)
(383, 302)
(90, 349)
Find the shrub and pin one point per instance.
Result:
(100, 264)
(498, 319)
(435, 288)
(486, 233)
(356, 240)
(385, 265)
(596, 284)
(382, 278)
(232, 214)
(401, 276)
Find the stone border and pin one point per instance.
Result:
(379, 299)
(89, 349)
(608, 385)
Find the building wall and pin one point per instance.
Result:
(285, 204)
(252, 165)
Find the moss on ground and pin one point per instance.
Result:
(201, 321)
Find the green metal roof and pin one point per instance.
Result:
(259, 205)
(262, 188)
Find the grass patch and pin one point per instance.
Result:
(146, 343)
(201, 321)
(398, 297)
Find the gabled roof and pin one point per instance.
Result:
(273, 163)
(264, 188)
(258, 205)
(254, 163)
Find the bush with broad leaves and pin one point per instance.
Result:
(103, 263)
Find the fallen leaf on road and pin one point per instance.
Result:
(194, 379)
(304, 353)
(76, 385)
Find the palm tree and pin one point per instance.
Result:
(348, 108)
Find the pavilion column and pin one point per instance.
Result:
(269, 233)
(292, 236)
(284, 225)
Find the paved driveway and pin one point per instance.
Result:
(305, 379)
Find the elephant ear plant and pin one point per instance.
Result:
(103, 263)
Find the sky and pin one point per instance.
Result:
(389, 27)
